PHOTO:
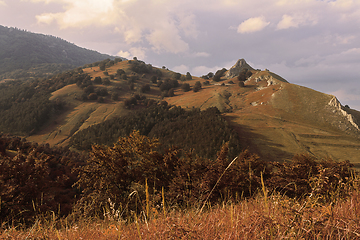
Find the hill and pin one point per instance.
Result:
(272, 117)
(24, 54)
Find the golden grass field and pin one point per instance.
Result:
(261, 217)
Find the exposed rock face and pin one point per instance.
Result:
(236, 69)
(334, 102)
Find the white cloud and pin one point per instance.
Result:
(287, 22)
(296, 20)
(203, 70)
(253, 25)
(169, 41)
(124, 54)
(187, 23)
(140, 53)
(344, 4)
(158, 23)
(201, 54)
(181, 69)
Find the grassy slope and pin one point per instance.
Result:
(84, 114)
(276, 121)
(280, 120)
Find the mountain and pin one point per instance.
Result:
(24, 54)
(272, 117)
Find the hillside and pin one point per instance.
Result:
(273, 118)
(24, 54)
(277, 119)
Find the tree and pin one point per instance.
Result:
(106, 81)
(145, 88)
(188, 76)
(177, 76)
(219, 74)
(92, 96)
(119, 72)
(244, 74)
(102, 67)
(197, 86)
(112, 172)
(97, 80)
(114, 96)
(89, 89)
(185, 87)
(153, 79)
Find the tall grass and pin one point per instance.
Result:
(262, 217)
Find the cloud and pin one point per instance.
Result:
(252, 25)
(162, 25)
(140, 53)
(80, 13)
(124, 54)
(181, 69)
(168, 41)
(287, 22)
(201, 54)
(296, 20)
(203, 70)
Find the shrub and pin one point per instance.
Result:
(188, 76)
(106, 81)
(177, 76)
(153, 79)
(185, 87)
(219, 74)
(197, 86)
(113, 172)
(92, 96)
(114, 96)
(97, 80)
(145, 88)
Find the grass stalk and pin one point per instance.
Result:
(163, 201)
(147, 199)
(265, 193)
(207, 198)
(137, 225)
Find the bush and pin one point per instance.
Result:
(92, 96)
(177, 76)
(145, 88)
(97, 80)
(185, 87)
(188, 76)
(115, 96)
(219, 74)
(106, 81)
(153, 79)
(197, 86)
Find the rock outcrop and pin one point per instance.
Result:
(236, 69)
(334, 102)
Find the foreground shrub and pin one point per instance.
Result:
(34, 181)
(306, 175)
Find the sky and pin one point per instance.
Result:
(312, 43)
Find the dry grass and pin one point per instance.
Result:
(273, 217)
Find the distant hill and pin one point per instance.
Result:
(24, 54)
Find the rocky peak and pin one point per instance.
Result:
(236, 69)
